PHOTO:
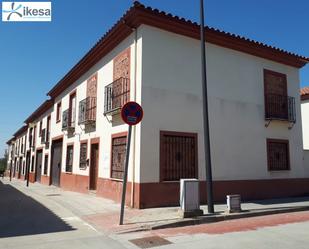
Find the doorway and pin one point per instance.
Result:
(94, 164)
(55, 169)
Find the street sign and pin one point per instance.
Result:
(132, 113)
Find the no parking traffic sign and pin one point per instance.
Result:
(132, 113)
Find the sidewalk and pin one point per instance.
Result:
(103, 214)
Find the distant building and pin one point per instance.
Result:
(77, 140)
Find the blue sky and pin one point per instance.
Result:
(34, 56)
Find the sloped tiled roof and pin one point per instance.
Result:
(139, 14)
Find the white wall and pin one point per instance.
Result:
(172, 101)
(305, 122)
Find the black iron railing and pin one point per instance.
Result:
(280, 107)
(87, 110)
(68, 120)
(116, 95)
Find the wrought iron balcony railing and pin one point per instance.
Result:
(116, 95)
(87, 110)
(68, 120)
(280, 107)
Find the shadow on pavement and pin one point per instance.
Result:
(22, 215)
(282, 200)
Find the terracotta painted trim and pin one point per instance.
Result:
(161, 194)
(95, 140)
(60, 137)
(74, 182)
(39, 148)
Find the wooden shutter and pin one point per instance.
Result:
(121, 66)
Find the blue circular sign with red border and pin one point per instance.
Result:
(132, 113)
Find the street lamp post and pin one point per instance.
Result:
(210, 203)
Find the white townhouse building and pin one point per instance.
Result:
(153, 58)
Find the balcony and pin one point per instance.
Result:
(87, 111)
(279, 107)
(68, 123)
(116, 95)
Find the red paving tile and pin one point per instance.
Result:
(109, 222)
(239, 225)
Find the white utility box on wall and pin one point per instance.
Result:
(190, 198)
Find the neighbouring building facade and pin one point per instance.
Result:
(77, 140)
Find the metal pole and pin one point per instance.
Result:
(125, 176)
(210, 203)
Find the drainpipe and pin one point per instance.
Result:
(134, 127)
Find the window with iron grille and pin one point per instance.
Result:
(118, 156)
(178, 155)
(45, 164)
(40, 129)
(83, 155)
(69, 158)
(278, 154)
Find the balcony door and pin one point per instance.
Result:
(276, 95)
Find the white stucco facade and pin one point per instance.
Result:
(163, 68)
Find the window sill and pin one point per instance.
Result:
(68, 173)
(115, 179)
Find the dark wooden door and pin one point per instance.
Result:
(56, 163)
(38, 166)
(94, 163)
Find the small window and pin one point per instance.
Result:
(45, 164)
(278, 154)
(58, 113)
(118, 156)
(69, 158)
(83, 156)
